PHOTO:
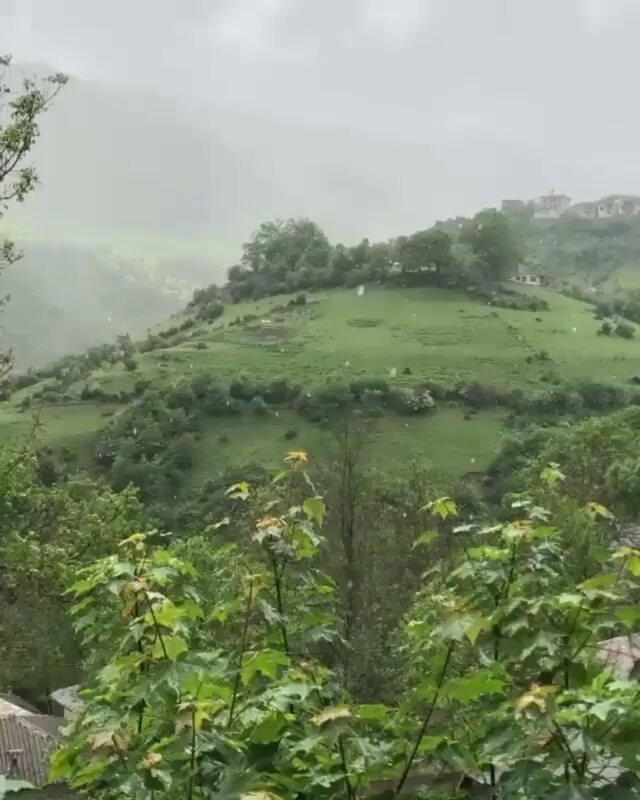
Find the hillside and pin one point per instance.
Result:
(65, 298)
(479, 363)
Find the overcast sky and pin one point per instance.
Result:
(379, 65)
(554, 77)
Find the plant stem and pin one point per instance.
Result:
(425, 724)
(278, 587)
(192, 762)
(345, 771)
(243, 644)
(157, 627)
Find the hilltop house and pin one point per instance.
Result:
(529, 278)
(550, 206)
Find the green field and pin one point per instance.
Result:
(401, 335)
(444, 440)
(433, 332)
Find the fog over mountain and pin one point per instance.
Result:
(372, 116)
(194, 120)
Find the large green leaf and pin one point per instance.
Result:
(472, 686)
(268, 730)
(628, 615)
(315, 509)
(264, 662)
(173, 646)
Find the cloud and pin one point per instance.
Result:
(248, 25)
(396, 19)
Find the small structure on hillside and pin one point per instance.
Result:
(530, 279)
(551, 206)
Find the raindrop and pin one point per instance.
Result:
(346, 363)
(393, 372)
(360, 291)
(575, 330)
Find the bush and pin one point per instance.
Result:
(605, 329)
(299, 300)
(201, 345)
(243, 389)
(279, 392)
(223, 439)
(211, 311)
(130, 364)
(601, 396)
(258, 406)
(411, 401)
(476, 395)
(152, 342)
(360, 387)
(625, 330)
(141, 386)
(290, 434)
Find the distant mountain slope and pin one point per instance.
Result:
(64, 299)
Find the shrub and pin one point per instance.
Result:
(258, 406)
(290, 434)
(360, 387)
(605, 329)
(243, 389)
(152, 342)
(217, 403)
(130, 364)
(280, 392)
(223, 439)
(625, 330)
(407, 371)
(411, 401)
(188, 323)
(299, 300)
(141, 386)
(201, 345)
(601, 396)
(211, 311)
(477, 395)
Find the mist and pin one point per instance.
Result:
(187, 122)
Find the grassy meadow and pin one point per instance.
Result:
(401, 335)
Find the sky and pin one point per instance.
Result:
(554, 79)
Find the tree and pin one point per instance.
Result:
(426, 251)
(48, 530)
(20, 110)
(493, 242)
(279, 247)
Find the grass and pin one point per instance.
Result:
(70, 424)
(403, 335)
(433, 332)
(445, 440)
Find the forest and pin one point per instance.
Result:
(361, 522)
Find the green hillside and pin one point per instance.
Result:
(402, 337)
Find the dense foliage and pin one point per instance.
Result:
(243, 692)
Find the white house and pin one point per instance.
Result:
(551, 206)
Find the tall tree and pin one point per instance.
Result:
(494, 244)
(426, 251)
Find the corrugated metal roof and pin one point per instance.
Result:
(26, 742)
